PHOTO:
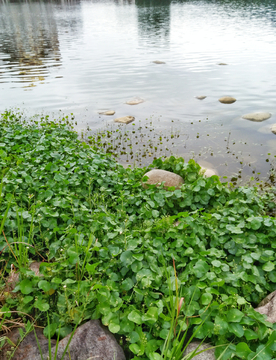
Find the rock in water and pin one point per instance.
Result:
(258, 116)
(91, 340)
(157, 176)
(108, 112)
(207, 172)
(135, 101)
(201, 97)
(273, 129)
(206, 355)
(125, 119)
(222, 64)
(227, 100)
(158, 62)
(268, 307)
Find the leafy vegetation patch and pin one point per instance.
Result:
(114, 251)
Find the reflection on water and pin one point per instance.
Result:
(29, 39)
(154, 20)
(92, 55)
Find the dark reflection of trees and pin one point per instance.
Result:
(265, 9)
(29, 37)
(154, 18)
(124, 2)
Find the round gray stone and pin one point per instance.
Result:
(258, 116)
(201, 97)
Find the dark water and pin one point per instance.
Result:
(85, 56)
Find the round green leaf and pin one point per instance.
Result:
(206, 298)
(269, 266)
(216, 263)
(114, 328)
(242, 350)
(41, 305)
(135, 316)
(44, 285)
(234, 315)
(135, 348)
(26, 286)
(127, 284)
(250, 334)
(236, 329)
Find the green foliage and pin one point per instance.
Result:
(108, 246)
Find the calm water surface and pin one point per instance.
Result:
(85, 56)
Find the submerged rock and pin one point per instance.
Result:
(157, 176)
(207, 172)
(108, 112)
(158, 62)
(227, 100)
(268, 307)
(206, 355)
(222, 63)
(258, 116)
(135, 101)
(91, 340)
(125, 119)
(201, 97)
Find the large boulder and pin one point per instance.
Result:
(268, 307)
(157, 176)
(206, 355)
(91, 340)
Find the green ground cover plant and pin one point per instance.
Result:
(112, 250)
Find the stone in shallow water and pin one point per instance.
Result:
(258, 116)
(108, 112)
(227, 100)
(273, 129)
(207, 172)
(222, 64)
(201, 97)
(135, 101)
(124, 119)
(157, 176)
(158, 62)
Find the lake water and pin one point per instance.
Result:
(85, 56)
